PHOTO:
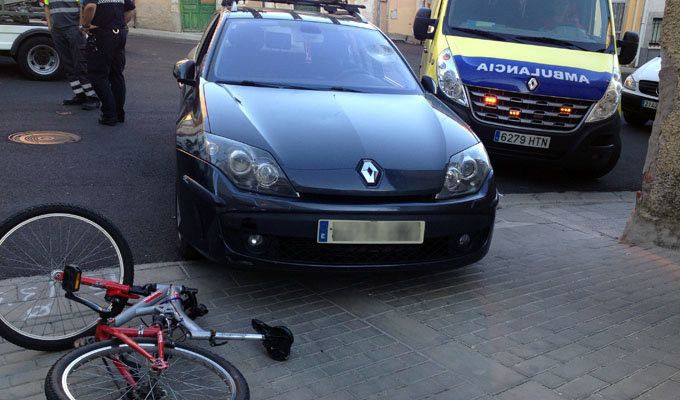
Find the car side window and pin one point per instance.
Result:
(205, 40)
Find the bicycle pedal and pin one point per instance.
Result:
(83, 341)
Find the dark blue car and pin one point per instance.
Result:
(305, 140)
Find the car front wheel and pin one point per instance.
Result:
(38, 59)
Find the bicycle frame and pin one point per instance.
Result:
(165, 301)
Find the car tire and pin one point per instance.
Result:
(634, 119)
(39, 59)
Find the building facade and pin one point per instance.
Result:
(644, 17)
(396, 17)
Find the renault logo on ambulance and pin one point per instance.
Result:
(548, 73)
(532, 84)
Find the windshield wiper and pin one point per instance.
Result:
(478, 32)
(286, 86)
(343, 89)
(549, 40)
(265, 85)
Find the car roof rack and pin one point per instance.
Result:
(331, 6)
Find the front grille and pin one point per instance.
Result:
(360, 200)
(649, 88)
(537, 112)
(307, 251)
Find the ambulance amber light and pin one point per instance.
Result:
(565, 111)
(515, 113)
(490, 100)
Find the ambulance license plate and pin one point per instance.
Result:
(522, 139)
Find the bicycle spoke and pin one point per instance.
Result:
(34, 249)
(187, 377)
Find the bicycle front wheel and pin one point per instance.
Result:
(97, 372)
(33, 244)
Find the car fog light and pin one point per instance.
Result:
(255, 240)
(464, 240)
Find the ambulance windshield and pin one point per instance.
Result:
(574, 24)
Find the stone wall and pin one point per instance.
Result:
(158, 14)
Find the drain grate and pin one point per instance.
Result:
(44, 137)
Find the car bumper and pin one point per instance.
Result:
(631, 103)
(218, 219)
(590, 146)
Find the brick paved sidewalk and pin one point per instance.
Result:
(558, 310)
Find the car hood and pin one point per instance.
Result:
(319, 138)
(509, 66)
(649, 71)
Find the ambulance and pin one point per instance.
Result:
(537, 80)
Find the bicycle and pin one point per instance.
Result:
(61, 247)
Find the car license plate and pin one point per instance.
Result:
(650, 104)
(521, 139)
(371, 232)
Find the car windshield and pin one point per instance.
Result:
(310, 55)
(574, 24)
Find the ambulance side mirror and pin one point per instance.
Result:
(429, 84)
(185, 72)
(422, 24)
(629, 47)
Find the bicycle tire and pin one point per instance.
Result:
(55, 380)
(22, 339)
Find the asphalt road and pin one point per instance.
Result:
(127, 172)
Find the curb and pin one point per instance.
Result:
(188, 36)
(567, 198)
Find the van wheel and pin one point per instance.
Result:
(38, 59)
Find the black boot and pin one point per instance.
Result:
(76, 100)
(91, 103)
(108, 121)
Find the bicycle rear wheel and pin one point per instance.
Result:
(90, 372)
(33, 310)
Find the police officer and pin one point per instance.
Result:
(63, 19)
(105, 21)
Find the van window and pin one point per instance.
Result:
(576, 24)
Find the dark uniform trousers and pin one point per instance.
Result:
(70, 43)
(106, 62)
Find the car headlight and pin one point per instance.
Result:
(448, 78)
(466, 172)
(247, 167)
(609, 103)
(630, 83)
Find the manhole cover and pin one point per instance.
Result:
(44, 137)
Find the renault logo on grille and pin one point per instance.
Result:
(532, 84)
(370, 171)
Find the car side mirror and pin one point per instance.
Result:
(629, 47)
(429, 84)
(185, 72)
(422, 24)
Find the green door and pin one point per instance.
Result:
(195, 14)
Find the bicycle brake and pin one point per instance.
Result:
(277, 339)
